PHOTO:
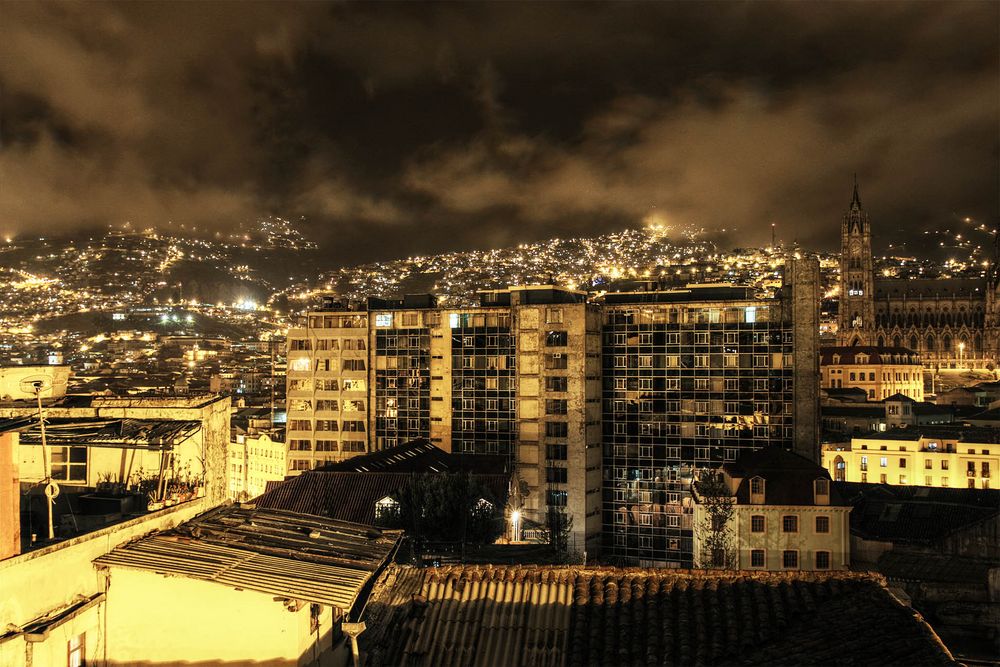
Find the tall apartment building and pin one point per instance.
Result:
(606, 405)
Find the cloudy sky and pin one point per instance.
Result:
(410, 128)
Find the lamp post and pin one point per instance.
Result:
(961, 354)
(515, 525)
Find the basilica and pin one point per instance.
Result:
(952, 323)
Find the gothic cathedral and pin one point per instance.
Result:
(950, 322)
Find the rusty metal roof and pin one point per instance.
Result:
(351, 496)
(296, 556)
(549, 616)
(116, 433)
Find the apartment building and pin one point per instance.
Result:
(602, 403)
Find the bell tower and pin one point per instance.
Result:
(856, 320)
(991, 323)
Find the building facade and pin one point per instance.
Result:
(255, 460)
(788, 515)
(880, 371)
(606, 405)
(918, 457)
(950, 322)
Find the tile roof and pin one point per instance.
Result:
(293, 555)
(555, 616)
(928, 287)
(788, 477)
(915, 514)
(351, 496)
(875, 355)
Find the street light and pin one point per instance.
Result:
(961, 353)
(515, 521)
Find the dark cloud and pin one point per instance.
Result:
(408, 128)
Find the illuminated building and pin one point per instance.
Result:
(600, 402)
(788, 516)
(880, 371)
(950, 322)
(930, 456)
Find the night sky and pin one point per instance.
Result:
(400, 129)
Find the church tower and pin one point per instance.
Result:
(991, 323)
(856, 321)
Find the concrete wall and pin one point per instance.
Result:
(10, 498)
(46, 580)
(169, 620)
(802, 279)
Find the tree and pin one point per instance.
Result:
(718, 546)
(446, 507)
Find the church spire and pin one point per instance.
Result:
(856, 199)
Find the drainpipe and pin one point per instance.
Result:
(353, 630)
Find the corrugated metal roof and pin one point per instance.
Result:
(421, 455)
(140, 433)
(351, 496)
(553, 616)
(285, 554)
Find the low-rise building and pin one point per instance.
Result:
(253, 462)
(938, 457)
(879, 371)
(240, 585)
(787, 516)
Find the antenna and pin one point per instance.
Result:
(36, 384)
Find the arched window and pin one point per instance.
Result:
(946, 343)
(914, 345)
(930, 342)
(881, 341)
(978, 343)
(896, 342)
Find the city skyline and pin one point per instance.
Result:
(401, 132)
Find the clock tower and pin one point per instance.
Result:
(856, 320)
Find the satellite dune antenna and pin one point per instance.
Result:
(36, 384)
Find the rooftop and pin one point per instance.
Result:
(351, 496)
(559, 615)
(297, 556)
(418, 456)
(915, 514)
(874, 354)
(118, 433)
(788, 477)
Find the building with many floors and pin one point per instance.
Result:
(607, 405)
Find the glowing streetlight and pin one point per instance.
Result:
(515, 522)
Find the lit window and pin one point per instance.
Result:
(383, 319)
(76, 649)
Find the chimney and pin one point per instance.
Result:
(10, 496)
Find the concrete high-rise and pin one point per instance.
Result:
(606, 405)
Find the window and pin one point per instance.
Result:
(822, 560)
(553, 315)
(556, 475)
(556, 498)
(944, 465)
(902, 463)
(69, 464)
(701, 361)
(757, 523)
(386, 508)
(556, 429)
(555, 452)
(556, 384)
(383, 319)
(555, 339)
(822, 524)
(883, 462)
(790, 523)
(757, 558)
(556, 361)
(555, 406)
(790, 560)
(76, 650)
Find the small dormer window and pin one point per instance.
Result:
(821, 491)
(836, 359)
(386, 508)
(757, 491)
